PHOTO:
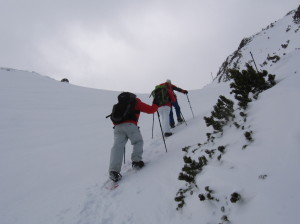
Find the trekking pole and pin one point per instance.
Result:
(162, 131)
(124, 154)
(190, 105)
(253, 61)
(152, 126)
(183, 118)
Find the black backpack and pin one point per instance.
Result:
(124, 109)
(161, 95)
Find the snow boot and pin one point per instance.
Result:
(138, 164)
(179, 119)
(172, 125)
(115, 176)
(167, 134)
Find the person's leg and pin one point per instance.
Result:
(117, 151)
(178, 111)
(136, 139)
(164, 113)
(171, 118)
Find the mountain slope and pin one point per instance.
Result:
(55, 146)
(271, 48)
(55, 149)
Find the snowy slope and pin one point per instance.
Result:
(280, 40)
(55, 146)
(50, 133)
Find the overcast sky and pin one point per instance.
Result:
(130, 45)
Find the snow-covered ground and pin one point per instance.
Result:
(55, 144)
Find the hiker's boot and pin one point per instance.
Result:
(179, 119)
(138, 164)
(172, 125)
(167, 134)
(115, 176)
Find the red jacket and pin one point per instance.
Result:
(173, 87)
(171, 94)
(141, 107)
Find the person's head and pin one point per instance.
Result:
(169, 81)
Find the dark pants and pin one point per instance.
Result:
(177, 110)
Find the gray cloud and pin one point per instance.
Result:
(130, 45)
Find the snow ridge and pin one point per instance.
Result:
(275, 42)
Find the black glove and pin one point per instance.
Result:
(185, 92)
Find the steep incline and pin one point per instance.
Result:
(271, 48)
(55, 146)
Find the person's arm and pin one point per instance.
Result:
(179, 89)
(143, 107)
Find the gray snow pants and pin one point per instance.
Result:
(122, 133)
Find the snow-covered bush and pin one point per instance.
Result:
(249, 83)
(189, 172)
(221, 115)
(246, 87)
(296, 16)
